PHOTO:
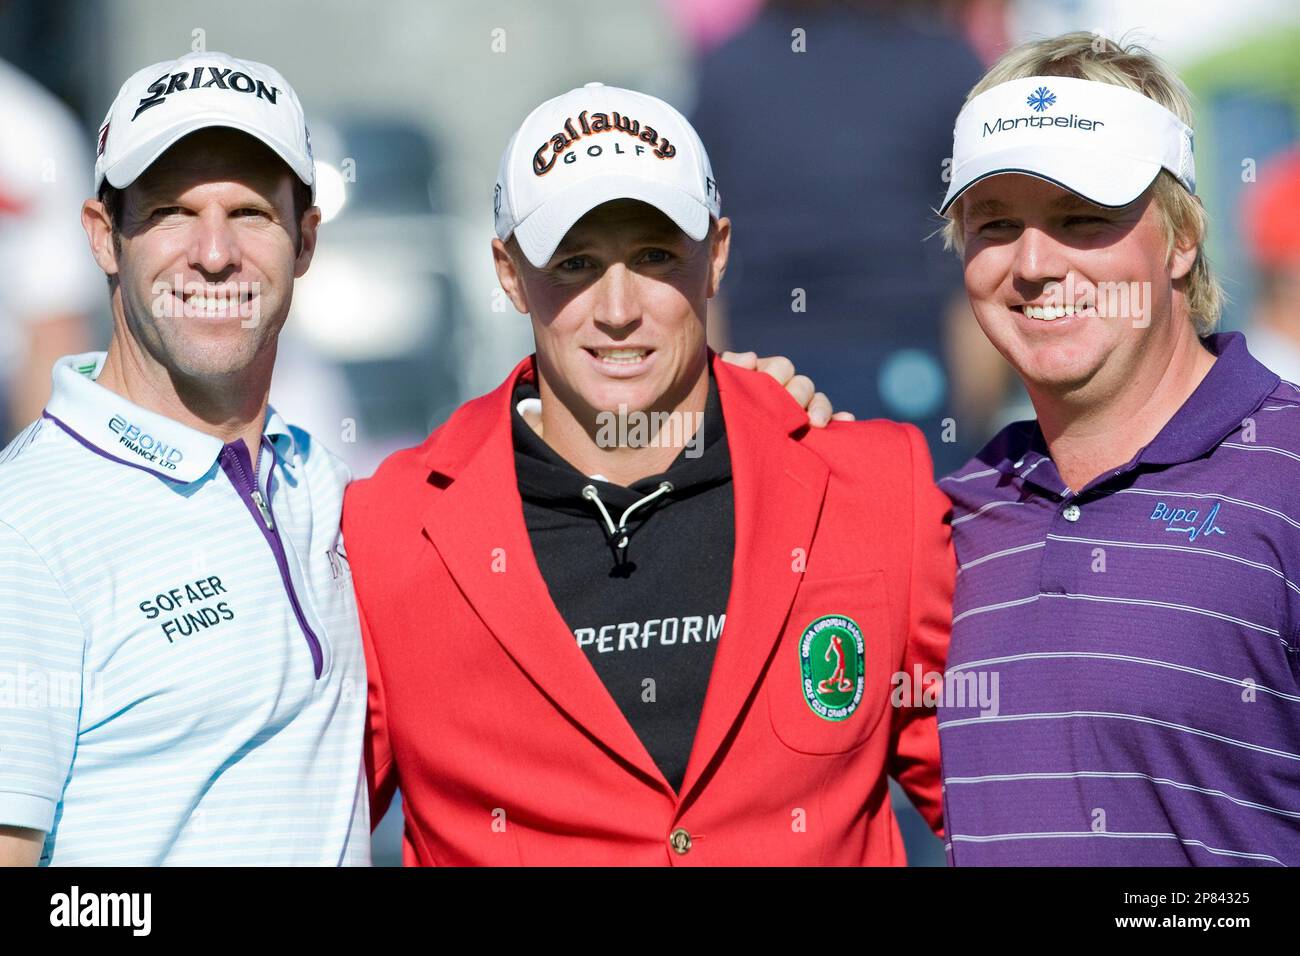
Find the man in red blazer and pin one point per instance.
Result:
(629, 608)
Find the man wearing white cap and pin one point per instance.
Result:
(181, 675)
(1128, 561)
(628, 608)
(179, 647)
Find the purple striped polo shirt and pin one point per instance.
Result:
(1135, 641)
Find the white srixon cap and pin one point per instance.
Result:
(1104, 142)
(592, 145)
(164, 102)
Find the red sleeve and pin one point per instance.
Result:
(380, 772)
(381, 775)
(914, 757)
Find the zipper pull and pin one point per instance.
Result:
(263, 509)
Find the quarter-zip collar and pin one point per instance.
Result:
(241, 469)
(123, 432)
(120, 430)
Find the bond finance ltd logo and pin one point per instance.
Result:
(831, 653)
(151, 449)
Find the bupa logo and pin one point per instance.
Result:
(143, 444)
(1187, 521)
(1041, 99)
(227, 79)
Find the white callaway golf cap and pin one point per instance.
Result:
(594, 144)
(1104, 142)
(162, 103)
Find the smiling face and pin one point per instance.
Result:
(618, 312)
(1078, 298)
(208, 251)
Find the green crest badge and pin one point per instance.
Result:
(831, 653)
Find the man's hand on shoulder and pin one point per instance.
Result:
(800, 387)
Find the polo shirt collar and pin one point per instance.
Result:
(1023, 453)
(277, 430)
(117, 429)
(1233, 389)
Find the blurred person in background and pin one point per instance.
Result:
(830, 121)
(1271, 223)
(50, 285)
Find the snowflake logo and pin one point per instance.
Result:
(1041, 99)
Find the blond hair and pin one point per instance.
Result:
(1089, 56)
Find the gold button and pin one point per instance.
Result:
(680, 840)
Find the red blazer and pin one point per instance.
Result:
(504, 742)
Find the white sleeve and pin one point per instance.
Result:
(41, 657)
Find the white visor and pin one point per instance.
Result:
(1103, 142)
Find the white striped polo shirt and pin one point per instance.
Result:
(181, 674)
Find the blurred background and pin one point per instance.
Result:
(827, 122)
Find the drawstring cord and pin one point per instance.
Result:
(620, 531)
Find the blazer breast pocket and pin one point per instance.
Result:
(829, 684)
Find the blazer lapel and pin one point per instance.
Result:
(778, 490)
(477, 526)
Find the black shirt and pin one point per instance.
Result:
(649, 613)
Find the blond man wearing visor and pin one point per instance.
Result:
(1130, 560)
